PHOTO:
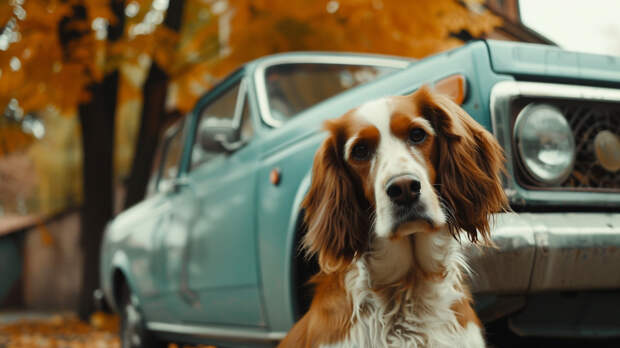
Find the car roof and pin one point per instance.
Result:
(309, 57)
(323, 57)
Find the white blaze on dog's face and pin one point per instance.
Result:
(391, 149)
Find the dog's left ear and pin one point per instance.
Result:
(336, 215)
(469, 164)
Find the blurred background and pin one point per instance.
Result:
(87, 86)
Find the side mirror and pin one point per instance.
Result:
(218, 138)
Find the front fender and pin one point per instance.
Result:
(119, 263)
(291, 239)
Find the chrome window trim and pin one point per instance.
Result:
(502, 95)
(241, 97)
(229, 334)
(259, 74)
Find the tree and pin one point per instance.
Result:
(67, 54)
(152, 117)
(97, 120)
(398, 27)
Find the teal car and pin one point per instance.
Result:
(212, 254)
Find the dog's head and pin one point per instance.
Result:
(397, 166)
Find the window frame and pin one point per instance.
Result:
(338, 59)
(239, 104)
(241, 100)
(169, 134)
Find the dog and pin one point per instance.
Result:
(395, 185)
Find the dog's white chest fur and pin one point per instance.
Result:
(417, 316)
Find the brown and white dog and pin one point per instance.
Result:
(395, 184)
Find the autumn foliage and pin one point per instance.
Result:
(59, 331)
(66, 331)
(46, 64)
(242, 30)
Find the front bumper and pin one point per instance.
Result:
(548, 252)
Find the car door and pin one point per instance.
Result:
(163, 257)
(220, 277)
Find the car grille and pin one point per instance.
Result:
(587, 120)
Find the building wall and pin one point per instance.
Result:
(512, 29)
(508, 9)
(53, 265)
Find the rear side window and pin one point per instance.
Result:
(167, 158)
(224, 125)
(221, 111)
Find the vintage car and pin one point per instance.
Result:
(212, 254)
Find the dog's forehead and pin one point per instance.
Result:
(379, 112)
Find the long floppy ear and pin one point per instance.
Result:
(335, 213)
(469, 164)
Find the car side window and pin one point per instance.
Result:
(224, 126)
(247, 129)
(168, 158)
(170, 167)
(222, 110)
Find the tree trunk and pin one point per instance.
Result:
(152, 119)
(153, 108)
(97, 120)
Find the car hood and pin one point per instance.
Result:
(552, 61)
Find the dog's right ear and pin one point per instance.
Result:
(469, 165)
(336, 215)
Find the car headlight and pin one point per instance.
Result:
(545, 143)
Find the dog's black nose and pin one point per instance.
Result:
(403, 190)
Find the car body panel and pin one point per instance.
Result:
(277, 209)
(549, 251)
(222, 259)
(137, 258)
(552, 62)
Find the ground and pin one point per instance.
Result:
(62, 330)
(58, 331)
(65, 330)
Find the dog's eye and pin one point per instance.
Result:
(360, 152)
(417, 136)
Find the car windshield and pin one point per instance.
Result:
(293, 88)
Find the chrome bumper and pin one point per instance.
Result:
(548, 251)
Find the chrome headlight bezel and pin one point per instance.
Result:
(535, 168)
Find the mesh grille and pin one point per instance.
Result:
(587, 120)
